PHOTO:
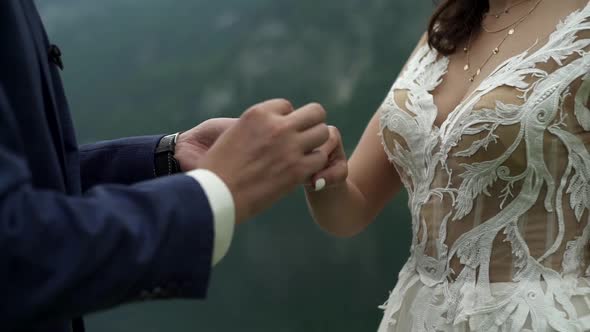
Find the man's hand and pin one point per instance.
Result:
(268, 153)
(192, 145)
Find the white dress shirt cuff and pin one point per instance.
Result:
(223, 207)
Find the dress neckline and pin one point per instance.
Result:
(442, 128)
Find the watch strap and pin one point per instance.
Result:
(164, 161)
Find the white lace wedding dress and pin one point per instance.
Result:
(499, 194)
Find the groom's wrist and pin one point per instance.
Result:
(164, 161)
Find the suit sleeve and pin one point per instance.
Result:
(63, 256)
(122, 161)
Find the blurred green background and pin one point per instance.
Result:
(135, 67)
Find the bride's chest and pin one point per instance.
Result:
(443, 116)
(506, 117)
(451, 91)
(462, 133)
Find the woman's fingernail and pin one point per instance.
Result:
(320, 184)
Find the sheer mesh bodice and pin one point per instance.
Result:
(500, 192)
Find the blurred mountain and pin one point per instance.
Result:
(136, 67)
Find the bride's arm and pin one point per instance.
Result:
(358, 189)
(346, 208)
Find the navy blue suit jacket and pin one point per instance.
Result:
(82, 229)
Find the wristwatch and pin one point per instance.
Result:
(164, 161)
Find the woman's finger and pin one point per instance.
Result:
(335, 174)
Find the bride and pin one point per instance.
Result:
(488, 129)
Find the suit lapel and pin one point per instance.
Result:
(51, 105)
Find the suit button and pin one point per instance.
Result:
(55, 56)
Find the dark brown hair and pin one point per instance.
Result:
(453, 21)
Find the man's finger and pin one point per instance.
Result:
(313, 162)
(315, 137)
(308, 116)
(277, 106)
(330, 145)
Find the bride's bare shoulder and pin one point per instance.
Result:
(567, 5)
(421, 43)
(423, 40)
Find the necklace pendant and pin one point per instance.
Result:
(466, 68)
(511, 32)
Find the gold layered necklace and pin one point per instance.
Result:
(506, 10)
(511, 31)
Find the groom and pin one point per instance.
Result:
(85, 229)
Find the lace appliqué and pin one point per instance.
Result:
(539, 295)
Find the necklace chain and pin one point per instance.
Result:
(507, 9)
(496, 49)
(518, 21)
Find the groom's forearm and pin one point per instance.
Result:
(121, 161)
(340, 210)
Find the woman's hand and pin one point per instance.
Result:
(336, 171)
